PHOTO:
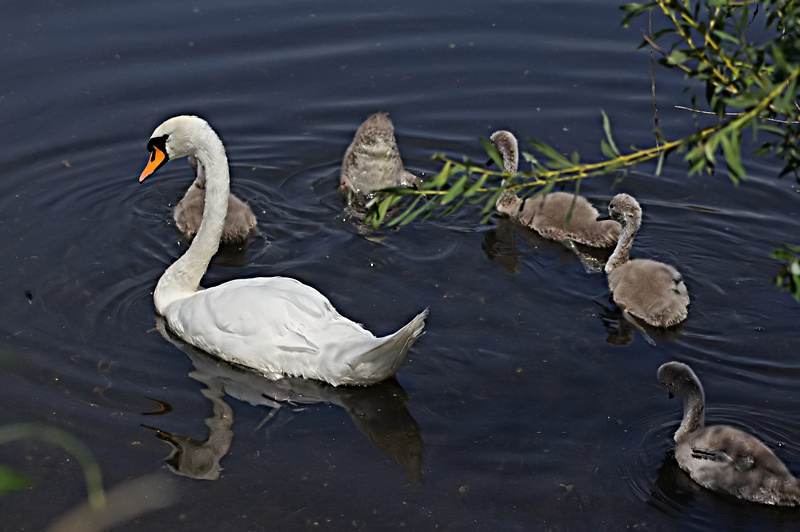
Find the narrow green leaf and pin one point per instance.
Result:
(475, 186)
(557, 160)
(609, 137)
(494, 155)
(400, 219)
(606, 150)
(733, 157)
(455, 190)
(441, 178)
(659, 163)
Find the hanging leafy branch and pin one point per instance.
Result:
(789, 275)
(748, 85)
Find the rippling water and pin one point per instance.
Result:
(530, 402)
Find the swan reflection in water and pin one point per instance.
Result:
(378, 411)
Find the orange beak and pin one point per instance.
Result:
(157, 160)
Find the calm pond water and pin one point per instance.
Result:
(526, 405)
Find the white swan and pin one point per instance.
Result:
(547, 214)
(647, 289)
(372, 161)
(721, 457)
(275, 325)
(188, 213)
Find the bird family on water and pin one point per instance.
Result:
(281, 327)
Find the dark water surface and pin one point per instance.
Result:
(515, 411)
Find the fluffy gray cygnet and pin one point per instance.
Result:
(648, 289)
(372, 161)
(188, 213)
(720, 457)
(547, 214)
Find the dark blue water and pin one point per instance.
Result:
(527, 405)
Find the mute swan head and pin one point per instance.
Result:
(179, 136)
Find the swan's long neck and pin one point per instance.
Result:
(622, 251)
(182, 279)
(693, 412)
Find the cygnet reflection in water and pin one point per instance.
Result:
(501, 245)
(621, 328)
(378, 411)
(720, 457)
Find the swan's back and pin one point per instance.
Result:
(547, 214)
(279, 326)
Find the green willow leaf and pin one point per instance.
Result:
(455, 190)
(557, 160)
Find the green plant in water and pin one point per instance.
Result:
(11, 481)
(789, 276)
(750, 87)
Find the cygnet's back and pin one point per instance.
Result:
(188, 213)
(648, 289)
(558, 215)
(721, 457)
(372, 161)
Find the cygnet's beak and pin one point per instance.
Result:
(603, 216)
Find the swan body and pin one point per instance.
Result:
(720, 457)
(648, 289)
(547, 214)
(372, 161)
(188, 213)
(275, 325)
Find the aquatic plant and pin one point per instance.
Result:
(747, 75)
(11, 481)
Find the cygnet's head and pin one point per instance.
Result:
(679, 379)
(177, 137)
(506, 145)
(625, 210)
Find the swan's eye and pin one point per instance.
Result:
(157, 142)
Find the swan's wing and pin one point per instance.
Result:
(271, 324)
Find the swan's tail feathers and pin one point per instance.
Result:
(383, 361)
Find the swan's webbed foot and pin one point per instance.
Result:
(722, 456)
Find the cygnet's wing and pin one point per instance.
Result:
(727, 459)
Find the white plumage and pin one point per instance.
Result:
(275, 325)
